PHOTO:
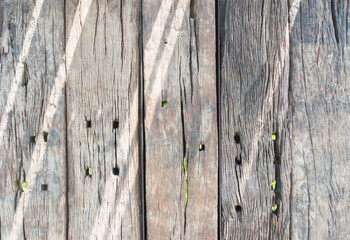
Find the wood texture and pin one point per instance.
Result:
(254, 83)
(32, 51)
(102, 87)
(179, 71)
(285, 71)
(317, 171)
(70, 119)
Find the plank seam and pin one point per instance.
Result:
(218, 96)
(142, 152)
(66, 122)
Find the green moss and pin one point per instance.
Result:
(274, 207)
(24, 186)
(186, 175)
(274, 137)
(273, 185)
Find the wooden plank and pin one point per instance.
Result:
(32, 103)
(254, 68)
(180, 115)
(102, 87)
(287, 76)
(318, 151)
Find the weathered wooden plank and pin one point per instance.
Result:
(289, 77)
(32, 104)
(254, 78)
(317, 148)
(180, 115)
(102, 100)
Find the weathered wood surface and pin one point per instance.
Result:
(102, 115)
(69, 102)
(316, 165)
(179, 69)
(32, 53)
(253, 79)
(285, 70)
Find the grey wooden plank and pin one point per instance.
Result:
(318, 163)
(254, 73)
(102, 87)
(32, 103)
(285, 71)
(180, 115)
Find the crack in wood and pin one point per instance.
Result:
(184, 147)
(278, 184)
(334, 21)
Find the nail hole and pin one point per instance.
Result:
(165, 41)
(238, 208)
(115, 171)
(164, 98)
(46, 136)
(33, 139)
(44, 187)
(201, 147)
(237, 138)
(88, 172)
(115, 124)
(238, 160)
(88, 123)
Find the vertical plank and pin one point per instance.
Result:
(180, 115)
(289, 77)
(102, 87)
(317, 172)
(254, 104)
(32, 103)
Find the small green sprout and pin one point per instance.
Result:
(273, 185)
(24, 186)
(90, 172)
(274, 208)
(164, 104)
(274, 137)
(201, 147)
(186, 180)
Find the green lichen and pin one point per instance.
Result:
(274, 137)
(274, 207)
(186, 174)
(24, 186)
(273, 185)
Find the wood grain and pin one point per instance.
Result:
(317, 171)
(32, 62)
(70, 119)
(254, 74)
(285, 71)
(102, 87)
(179, 70)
